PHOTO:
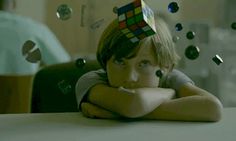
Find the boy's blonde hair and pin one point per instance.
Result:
(114, 43)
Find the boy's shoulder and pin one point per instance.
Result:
(175, 79)
(95, 74)
(176, 72)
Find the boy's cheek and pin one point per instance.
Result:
(114, 82)
(152, 82)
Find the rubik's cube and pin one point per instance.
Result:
(136, 20)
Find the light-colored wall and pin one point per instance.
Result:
(32, 8)
(205, 11)
(73, 36)
(208, 11)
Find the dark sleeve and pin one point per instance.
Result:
(176, 79)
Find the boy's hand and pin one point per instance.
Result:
(167, 92)
(92, 111)
(131, 91)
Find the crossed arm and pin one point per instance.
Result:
(191, 104)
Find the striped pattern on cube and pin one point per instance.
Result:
(136, 20)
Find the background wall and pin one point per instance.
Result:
(32, 8)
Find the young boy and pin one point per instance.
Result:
(128, 86)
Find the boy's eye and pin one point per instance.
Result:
(119, 61)
(144, 63)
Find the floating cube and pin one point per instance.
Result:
(136, 20)
(217, 59)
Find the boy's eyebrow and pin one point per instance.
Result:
(131, 56)
(148, 59)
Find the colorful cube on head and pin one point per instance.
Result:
(136, 20)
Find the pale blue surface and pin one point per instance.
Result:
(14, 32)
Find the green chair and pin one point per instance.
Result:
(54, 87)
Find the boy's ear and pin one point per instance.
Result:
(171, 67)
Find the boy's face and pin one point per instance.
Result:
(136, 72)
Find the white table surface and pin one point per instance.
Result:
(75, 127)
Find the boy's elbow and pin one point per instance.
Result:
(216, 115)
(215, 110)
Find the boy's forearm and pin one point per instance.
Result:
(129, 104)
(93, 111)
(151, 98)
(192, 108)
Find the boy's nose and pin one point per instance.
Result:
(131, 76)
